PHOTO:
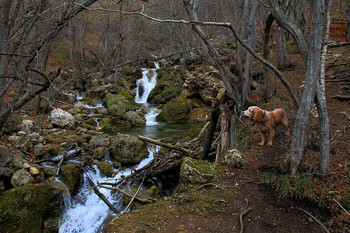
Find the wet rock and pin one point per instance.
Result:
(126, 149)
(21, 177)
(197, 172)
(26, 208)
(175, 110)
(61, 118)
(233, 158)
(100, 153)
(71, 176)
(106, 168)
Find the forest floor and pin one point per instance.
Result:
(273, 205)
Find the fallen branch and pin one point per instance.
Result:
(316, 220)
(341, 207)
(126, 194)
(58, 165)
(243, 213)
(186, 151)
(103, 197)
(133, 198)
(341, 97)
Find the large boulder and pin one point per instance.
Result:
(233, 158)
(175, 110)
(61, 118)
(28, 208)
(117, 105)
(127, 150)
(195, 171)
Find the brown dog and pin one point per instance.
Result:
(267, 121)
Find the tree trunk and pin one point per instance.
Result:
(267, 31)
(226, 114)
(249, 60)
(321, 100)
(315, 42)
(282, 59)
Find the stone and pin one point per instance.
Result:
(21, 177)
(195, 171)
(40, 150)
(127, 150)
(62, 119)
(5, 156)
(135, 119)
(233, 158)
(13, 125)
(34, 171)
(27, 126)
(106, 168)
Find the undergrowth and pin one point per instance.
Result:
(287, 186)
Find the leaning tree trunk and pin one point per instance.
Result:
(313, 62)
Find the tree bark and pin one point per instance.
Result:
(315, 42)
(266, 51)
(249, 60)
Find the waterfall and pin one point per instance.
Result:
(147, 82)
(86, 212)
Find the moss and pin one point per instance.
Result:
(23, 209)
(106, 168)
(71, 177)
(174, 111)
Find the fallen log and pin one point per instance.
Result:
(150, 140)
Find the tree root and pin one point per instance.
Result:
(243, 213)
(316, 220)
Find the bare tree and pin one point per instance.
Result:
(23, 47)
(311, 58)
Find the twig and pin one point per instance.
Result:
(316, 220)
(341, 206)
(243, 213)
(58, 165)
(133, 198)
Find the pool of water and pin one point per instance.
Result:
(165, 130)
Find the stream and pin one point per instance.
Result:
(86, 212)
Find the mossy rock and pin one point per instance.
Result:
(25, 208)
(127, 150)
(106, 168)
(117, 105)
(174, 111)
(195, 171)
(5, 156)
(13, 125)
(71, 176)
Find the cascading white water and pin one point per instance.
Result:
(86, 212)
(148, 82)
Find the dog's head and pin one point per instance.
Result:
(255, 113)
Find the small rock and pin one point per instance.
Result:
(26, 165)
(33, 171)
